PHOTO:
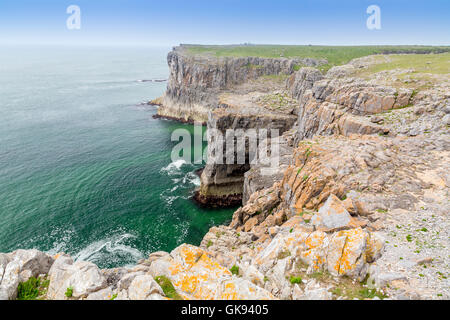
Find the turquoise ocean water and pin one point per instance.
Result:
(84, 168)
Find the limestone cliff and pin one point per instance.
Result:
(196, 81)
(225, 181)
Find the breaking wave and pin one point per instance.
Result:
(174, 167)
(111, 249)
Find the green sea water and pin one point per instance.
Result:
(84, 168)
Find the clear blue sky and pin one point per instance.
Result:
(170, 22)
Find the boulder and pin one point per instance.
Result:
(10, 281)
(32, 262)
(375, 246)
(144, 287)
(277, 276)
(266, 259)
(313, 291)
(332, 215)
(104, 294)
(315, 253)
(126, 280)
(4, 260)
(197, 276)
(347, 253)
(83, 277)
(19, 266)
(113, 276)
(379, 279)
(240, 289)
(297, 293)
(252, 274)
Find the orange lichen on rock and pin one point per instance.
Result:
(197, 276)
(315, 239)
(353, 250)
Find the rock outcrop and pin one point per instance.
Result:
(331, 104)
(229, 93)
(196, 81)
(20, 266)
(82, 277)
(226, 180)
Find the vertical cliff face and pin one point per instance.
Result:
(226, 93)
(196, 81)
(223, 184)
(230, 93)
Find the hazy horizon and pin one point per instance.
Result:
(167, 24)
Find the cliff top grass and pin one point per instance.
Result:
(417, 63)
(416, 71)
(336, 55)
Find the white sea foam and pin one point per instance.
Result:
(109, 247)
(174, 167)
(168, 199)
(183, 231)
(192, 178)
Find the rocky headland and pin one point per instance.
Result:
(357, 209)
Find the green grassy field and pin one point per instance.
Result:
(336, 55)
(415, 71)
(421, 63)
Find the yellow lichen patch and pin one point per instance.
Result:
(175, 268)
(336, 267)
(314, 258)
(318, 262)
(334, 252)
(212, 267)
(315, 239)
(190, 254)
(289, 240)
(355, 239)
(239, 289)
(187, 283)
(196, 274)
(229, 292)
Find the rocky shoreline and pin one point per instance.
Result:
(358, 208)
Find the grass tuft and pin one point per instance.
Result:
(69, 292)
(168, 288)
(235, 270)
(28, 290)
(294, 280)
(32, 289)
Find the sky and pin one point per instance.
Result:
(169, 23)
